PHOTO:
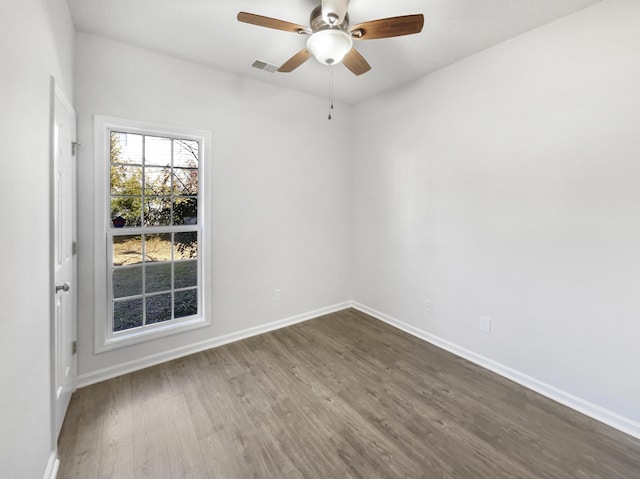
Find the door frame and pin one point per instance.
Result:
(56, 93)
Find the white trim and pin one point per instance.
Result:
(104, 339)
(51, 472)
(139, 335)
(587, 408)
(141, 363)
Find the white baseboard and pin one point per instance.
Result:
(52, 466)
(141, 363)
(594, 411)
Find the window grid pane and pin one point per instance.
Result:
(168, 268)
(154, 183)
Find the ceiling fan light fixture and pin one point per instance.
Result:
(329, 46)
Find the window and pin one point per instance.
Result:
(152, 230)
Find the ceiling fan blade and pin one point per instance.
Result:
(388, 27)
(269, 22)
(356, 62)
(295, 61)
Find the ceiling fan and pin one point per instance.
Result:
(331, 37)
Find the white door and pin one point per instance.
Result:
(64, 231)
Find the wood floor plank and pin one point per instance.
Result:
(84, 441)
(115, 451)
(340, 396)
(149, 447)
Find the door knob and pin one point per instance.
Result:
(63, 287)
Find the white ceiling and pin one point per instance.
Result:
(207, 32)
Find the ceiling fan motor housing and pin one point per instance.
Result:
(334, 11)
(317, 22)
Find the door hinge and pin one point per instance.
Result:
(74, 248)
(74, 147)
(74, 347)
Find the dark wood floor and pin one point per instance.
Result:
(336, 397)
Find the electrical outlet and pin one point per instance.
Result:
(485, 324)
(277, 295)
(428, 306)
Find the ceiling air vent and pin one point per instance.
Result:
(260, 65)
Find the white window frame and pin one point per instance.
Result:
(105, 338)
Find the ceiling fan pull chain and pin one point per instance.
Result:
(331, 68)
(330, 90)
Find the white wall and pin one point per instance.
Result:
(504, 185)
(508, 185)
(36, 41)
(280, 188)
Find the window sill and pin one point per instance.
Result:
(142, 335)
